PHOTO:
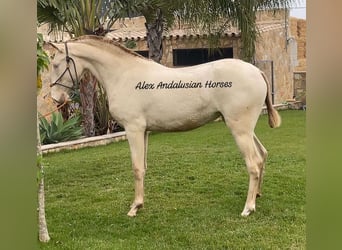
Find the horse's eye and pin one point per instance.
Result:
(55, 66)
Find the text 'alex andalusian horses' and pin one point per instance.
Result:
(146, 96)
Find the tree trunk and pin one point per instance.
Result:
(43, 230)
(154, 29)
(87, 96)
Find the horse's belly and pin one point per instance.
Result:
(180, 123)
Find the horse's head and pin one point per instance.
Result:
(64, 75)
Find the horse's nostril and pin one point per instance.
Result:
(59, 98)
(56, 101)
(65, 98)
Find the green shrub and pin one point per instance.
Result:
(59, 130)
(101, 113)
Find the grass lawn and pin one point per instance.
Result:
(195, 189)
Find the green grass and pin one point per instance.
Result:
(195, 189)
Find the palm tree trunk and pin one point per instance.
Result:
(88, 95)
(43, 229)
(154, 29)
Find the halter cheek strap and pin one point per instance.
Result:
(68, 59)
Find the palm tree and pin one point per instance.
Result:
(159, 16)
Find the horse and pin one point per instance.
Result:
(146, 96)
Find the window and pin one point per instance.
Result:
(143, 53)
(188, 57)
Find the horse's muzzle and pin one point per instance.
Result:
(60, 99)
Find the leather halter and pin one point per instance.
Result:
(75, 82)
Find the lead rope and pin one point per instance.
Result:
(56, 109)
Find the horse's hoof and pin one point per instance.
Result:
(247, 211)
(134, 209)
(132, 213)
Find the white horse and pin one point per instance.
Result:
(146, 96)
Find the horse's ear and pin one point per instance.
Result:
(58, 46)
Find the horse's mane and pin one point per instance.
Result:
(106, 41)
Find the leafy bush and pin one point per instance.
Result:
(101, 112)
(59, 130)
(102, 117)
(42, 60)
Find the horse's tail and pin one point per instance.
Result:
(274, 119)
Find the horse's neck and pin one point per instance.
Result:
(104, 65)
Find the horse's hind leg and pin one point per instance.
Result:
(263, 153)
(138, 149)
(242, 130)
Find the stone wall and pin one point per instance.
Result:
(300, 86)
(272, 46)
(271, 16)
(298, 32)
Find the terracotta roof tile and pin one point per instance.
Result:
(137, 31)
(126, 34)
(268, 26)
(134, 29)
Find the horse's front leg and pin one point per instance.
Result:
(137, 146)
